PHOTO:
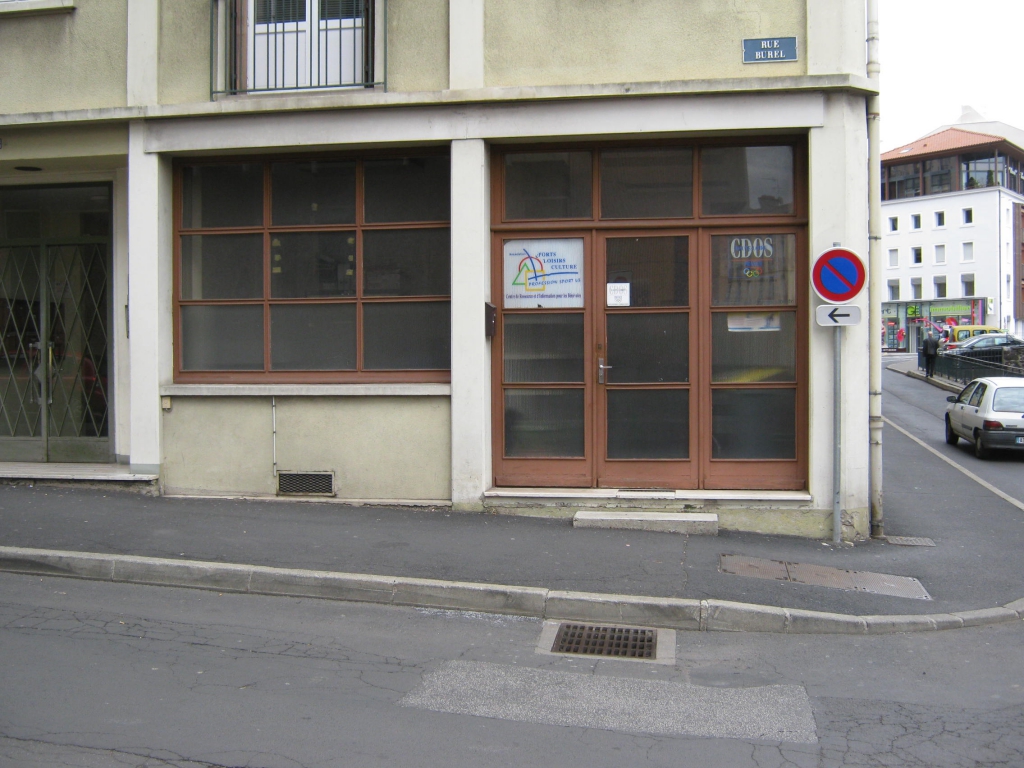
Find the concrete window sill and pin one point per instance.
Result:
(36, 7)
(306, 390)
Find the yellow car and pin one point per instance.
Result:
(958, 334)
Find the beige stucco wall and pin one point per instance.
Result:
(184, 74)
(540, 42)
(63, 61)
(380, 448)
(64, 149)
(417, 58)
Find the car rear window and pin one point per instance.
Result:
(1008, 399)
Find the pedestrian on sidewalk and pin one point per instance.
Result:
(930, 347)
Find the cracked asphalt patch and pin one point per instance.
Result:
(481, 689)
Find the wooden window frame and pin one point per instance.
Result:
(267, 229)
(780, 474)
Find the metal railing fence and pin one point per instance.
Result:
(965, 369)
(260, 46)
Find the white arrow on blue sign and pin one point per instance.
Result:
(831, 315)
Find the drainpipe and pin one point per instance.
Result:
(875, 271)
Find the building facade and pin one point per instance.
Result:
(478, 253)
(952, 207)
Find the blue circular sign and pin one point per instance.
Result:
(838, 275)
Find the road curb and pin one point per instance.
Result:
(662, 612)
(946, 385)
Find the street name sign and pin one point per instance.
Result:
(838, 275)
(832, 315)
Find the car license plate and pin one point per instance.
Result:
(1020, 441)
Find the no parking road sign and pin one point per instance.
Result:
(838, 275)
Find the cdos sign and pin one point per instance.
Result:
(752, 248)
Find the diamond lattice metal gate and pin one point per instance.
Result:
(54, 316)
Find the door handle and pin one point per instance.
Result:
(601, 368)
(49, 398)
(33, 398)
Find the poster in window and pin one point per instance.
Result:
(543, 274)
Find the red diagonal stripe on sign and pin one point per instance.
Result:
(842, 279)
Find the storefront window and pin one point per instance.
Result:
(646, 183)
(324, 289)
(548, 185)
(746, 180)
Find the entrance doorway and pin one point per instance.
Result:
(649, 359)
(652, 329)
(54, 316)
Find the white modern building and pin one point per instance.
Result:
(953, 203)
(490, 254)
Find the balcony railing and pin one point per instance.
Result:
(259, 46)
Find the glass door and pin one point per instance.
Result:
(644, 366)
(53, 379)
(543, 388)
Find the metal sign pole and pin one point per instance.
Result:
(837, 433)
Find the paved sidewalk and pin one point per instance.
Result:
(907, 365)
(974, 565)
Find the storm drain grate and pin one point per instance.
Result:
(305, 483)
(824, 576)
(590, 640)
(910, 541)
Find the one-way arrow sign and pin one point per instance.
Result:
(831, 315)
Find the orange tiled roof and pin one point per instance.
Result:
(943, 141)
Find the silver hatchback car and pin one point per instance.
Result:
(989, 412)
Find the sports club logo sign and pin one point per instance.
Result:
(543, 273)
(750, 254)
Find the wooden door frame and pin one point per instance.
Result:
(756, 474)
(749, 474)
(644, 473)
(553, 471)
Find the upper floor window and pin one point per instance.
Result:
(894, 224)
(968, 215)
(938, 175)
(940, 287)
(981, 170)
(915, 221)
(940, 254)
(894, 257)
(271, 45)
(968, 252)
(915, 288)
(332, 269)
(916, 254)
(967, 284)
(894, 290)
(904, 180)
(940, 218)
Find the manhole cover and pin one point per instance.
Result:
(824, 576)
(591, 640)
(910, 541)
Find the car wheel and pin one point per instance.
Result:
(980, 451)
(951, 437)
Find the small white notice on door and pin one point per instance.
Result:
(618, 294)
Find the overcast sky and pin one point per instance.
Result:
(938, 55)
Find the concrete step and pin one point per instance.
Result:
(694, 523)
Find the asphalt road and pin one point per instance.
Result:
(98, 675)
(920, 408)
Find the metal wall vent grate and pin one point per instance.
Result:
(590, 640)
(305, 483)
